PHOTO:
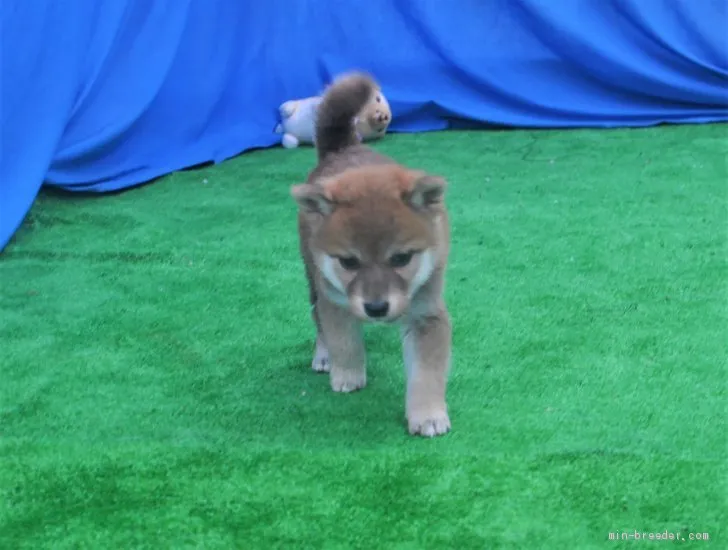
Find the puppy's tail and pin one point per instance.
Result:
(340, 105)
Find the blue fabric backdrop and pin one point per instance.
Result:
(98, 95)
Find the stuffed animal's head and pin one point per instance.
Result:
(374, 118)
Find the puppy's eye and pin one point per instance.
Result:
(350, 263)
(379, 99)
(401, 259)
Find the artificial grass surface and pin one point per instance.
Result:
(156, 389)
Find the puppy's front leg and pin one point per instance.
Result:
(342, 335)
(426, 343)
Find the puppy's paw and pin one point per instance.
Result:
(320, 361)
(346, 381)
(429, 425)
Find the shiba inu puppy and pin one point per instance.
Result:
(374, 237)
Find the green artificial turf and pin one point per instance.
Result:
(155, 349)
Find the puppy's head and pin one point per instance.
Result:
(375, 236)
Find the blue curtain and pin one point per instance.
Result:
(99, 95)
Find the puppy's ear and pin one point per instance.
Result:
(427, 191)
(312, 199)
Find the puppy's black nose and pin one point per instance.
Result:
(376, 309)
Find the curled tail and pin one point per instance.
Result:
(340, 105)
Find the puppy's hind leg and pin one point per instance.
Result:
(320, 361)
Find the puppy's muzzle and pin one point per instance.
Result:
(377, 309)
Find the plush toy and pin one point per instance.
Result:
(298, 119)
